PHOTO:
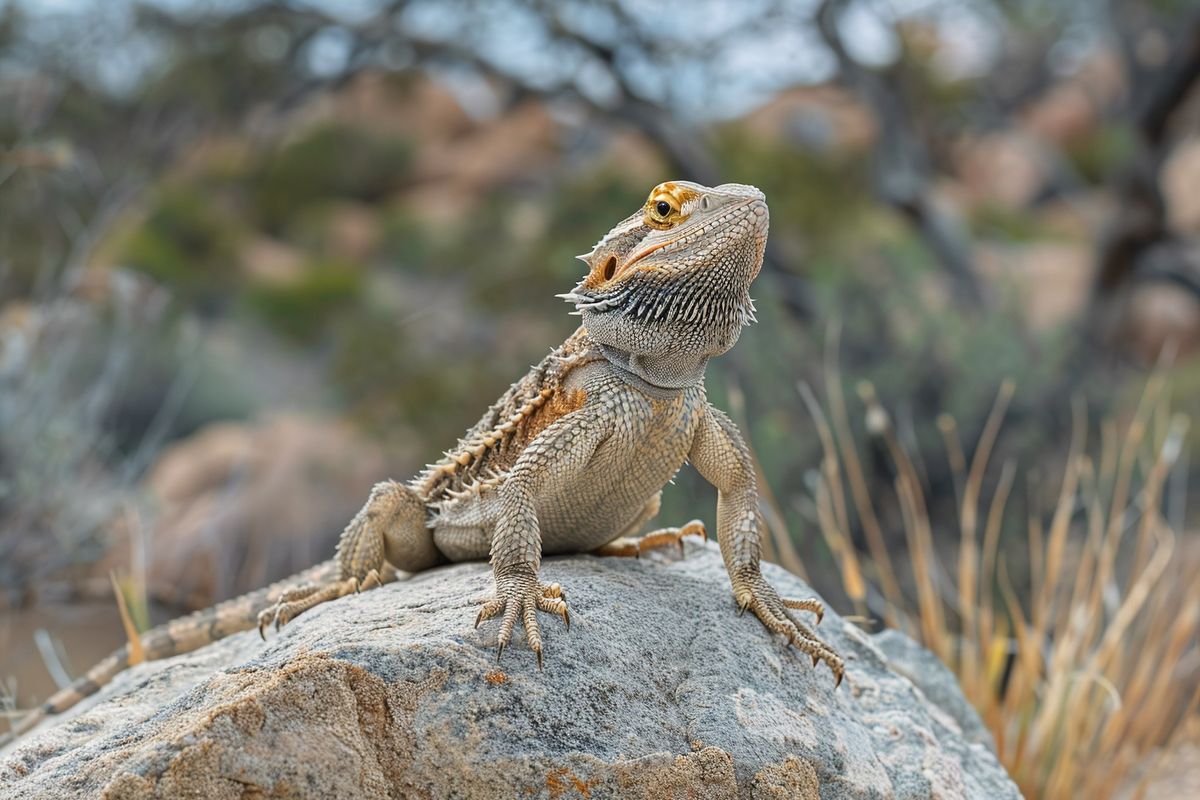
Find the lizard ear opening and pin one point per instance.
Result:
(610, 268)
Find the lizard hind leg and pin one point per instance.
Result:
(391, 527)
(635, 546)
(388, 533)
(628, 544)
(294, 602)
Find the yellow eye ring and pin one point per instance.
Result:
(661, 212)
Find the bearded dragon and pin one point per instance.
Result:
(574, 456)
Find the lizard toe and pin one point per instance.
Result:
(518, 599)
(490, 609)
(294, 602)
(807, 604)
(554, 605)
(758, 595)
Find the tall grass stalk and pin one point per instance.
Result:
(1088, 669)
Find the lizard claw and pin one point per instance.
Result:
(519, 596)
(369, 581)
(755, 593)
(295, 601)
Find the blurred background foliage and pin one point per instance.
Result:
(256, 255)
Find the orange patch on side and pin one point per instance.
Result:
(558, 406)
(495, 677)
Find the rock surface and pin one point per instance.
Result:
(658, 690)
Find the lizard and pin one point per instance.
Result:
(574, 456)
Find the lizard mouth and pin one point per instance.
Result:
(641, 254)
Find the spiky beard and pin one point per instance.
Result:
(686, 300)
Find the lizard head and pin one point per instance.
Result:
(672, 281)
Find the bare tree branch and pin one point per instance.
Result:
(1140, 224)
(902, 171)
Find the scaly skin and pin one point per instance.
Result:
(574, 456)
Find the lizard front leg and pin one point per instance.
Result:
(388, 533)
(722, 457)
(553, 459)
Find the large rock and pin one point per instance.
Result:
(658, 690)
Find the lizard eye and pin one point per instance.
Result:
(661, 213)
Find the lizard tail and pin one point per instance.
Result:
(178, 636)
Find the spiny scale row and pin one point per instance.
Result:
(471, 453)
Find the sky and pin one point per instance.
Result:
(731, 80)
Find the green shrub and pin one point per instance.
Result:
(187, 244)
(303, 308)
(1101, 151)
(329, 162)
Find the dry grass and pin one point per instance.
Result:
(1086, 673)
(66, 363)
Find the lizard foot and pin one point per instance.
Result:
(519, 596)
(759, 596)
(633, 547)
(294, 602)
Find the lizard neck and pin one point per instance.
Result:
(661, 377)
